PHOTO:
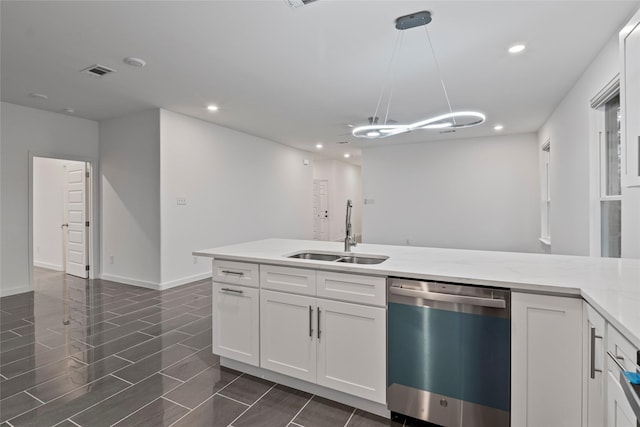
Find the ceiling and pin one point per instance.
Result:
(301, 76)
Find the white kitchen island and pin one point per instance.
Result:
(554, 301)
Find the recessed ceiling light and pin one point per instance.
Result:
(69, 110)
(517, 48)
(347, 155)
(134, 62)
(498, 127)
(319, 146)
(212, 107)
(38, 95)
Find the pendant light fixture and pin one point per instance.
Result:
(450, 120)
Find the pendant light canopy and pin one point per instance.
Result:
(450, 120)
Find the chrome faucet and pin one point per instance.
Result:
(350, 239)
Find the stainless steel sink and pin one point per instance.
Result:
(362, 259)
(316, 256)
(340, 257)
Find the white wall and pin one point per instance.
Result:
(480, 193)
(345, 182)
(570, 130)
(130, 184)
(48, 212)
(24, 131)
(237, 188)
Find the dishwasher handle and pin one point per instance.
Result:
(454, 299)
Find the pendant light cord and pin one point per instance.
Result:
(444, 89)
(388, 79)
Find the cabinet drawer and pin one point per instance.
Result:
(286, 279)
(352, 288)
(237, 273)
(622, 349)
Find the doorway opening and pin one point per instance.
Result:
(61, 210)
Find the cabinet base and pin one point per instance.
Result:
(338, 396)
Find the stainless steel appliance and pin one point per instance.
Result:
(448, 352)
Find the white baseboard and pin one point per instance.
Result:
(184, 280)
(156, 286)
(5, 292)
(47, 265)
(129, 281)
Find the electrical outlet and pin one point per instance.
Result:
(37, 249)
(195, 260)
(181, 201)
(110, 259)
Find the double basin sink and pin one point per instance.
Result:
(340, 257)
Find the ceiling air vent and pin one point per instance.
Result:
(98, 70)
(298, 3)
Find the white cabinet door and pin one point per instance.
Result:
(352, 349)
(619, 412)
(288, 335)
(546, 360)
(595, 368)
(236, 322)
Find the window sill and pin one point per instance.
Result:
(545, 241)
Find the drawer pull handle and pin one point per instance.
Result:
(617, 359)
(310, 320)
(231, 290)
(318, 322)
(237, 273)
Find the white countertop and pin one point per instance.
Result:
(611, 286)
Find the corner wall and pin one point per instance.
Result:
(477, 193)
(24, 131)
(237, 187)
(130, 184)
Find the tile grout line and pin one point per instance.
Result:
(169, 376)
(301, 409)
(29, 394)
(251, 406)
(230, 398)
(44, 345)
(120, 357)
(122, 379)
(296, 424)
(350, 416)
(137, 410)
(176, 403)
(73, 422)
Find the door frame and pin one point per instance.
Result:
(92, 203)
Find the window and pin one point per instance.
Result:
(610, 188)
(545, 234)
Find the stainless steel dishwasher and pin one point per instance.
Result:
(449, 353)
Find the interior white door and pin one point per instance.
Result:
(320, 209)
(76, 251)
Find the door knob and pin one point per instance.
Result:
(64, 225)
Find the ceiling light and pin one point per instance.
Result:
(69, 110)
(134, 62)
(498, 127)
(318, 146)
(451, 120)
(212, 107)
(38, 95)
(517, 48)
(347, 155)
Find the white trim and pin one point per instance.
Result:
(152, 285)
(129, 281)
(184, 280)
(5, 292)
(92, 207)
(48, 265)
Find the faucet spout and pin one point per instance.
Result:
(350, 239)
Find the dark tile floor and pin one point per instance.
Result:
(99, 353)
